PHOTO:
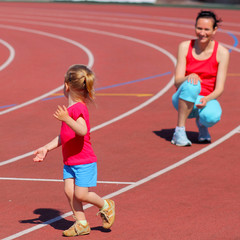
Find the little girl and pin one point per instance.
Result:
(80, 162)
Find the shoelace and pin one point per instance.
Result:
(104, 215)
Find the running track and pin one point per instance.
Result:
(162, 191)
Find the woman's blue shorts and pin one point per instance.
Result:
(209, 115)
(85, 175)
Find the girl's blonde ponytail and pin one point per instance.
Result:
(81, 80)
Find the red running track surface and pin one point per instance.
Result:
(161, 191)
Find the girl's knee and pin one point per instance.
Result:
(81, 197)
(69, 189)
(81, 194)
(69, 194)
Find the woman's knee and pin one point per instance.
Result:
(211, 114)
(189, 91)
(209, 121)
(175, 101)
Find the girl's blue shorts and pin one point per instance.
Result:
(85, 175)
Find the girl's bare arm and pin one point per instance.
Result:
(41, 153)
(79, 126)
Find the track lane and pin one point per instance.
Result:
(136, 142)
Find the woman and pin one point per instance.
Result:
(199, 78)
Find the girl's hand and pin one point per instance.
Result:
(193, 78)
(202, 103)
(61, 113)
(40, 153)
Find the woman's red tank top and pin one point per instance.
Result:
(205, 69)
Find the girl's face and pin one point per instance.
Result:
(204, 29)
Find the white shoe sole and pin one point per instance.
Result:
(181, 145)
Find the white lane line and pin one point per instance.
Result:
(66, 18)
(123, 115)
(31, 101)
(98, 32)
(58, 180)
(11, 55)
(155, 97)
(159, 94)
(78, 29)
(77, 44)
(144, 104)
(16, 158)
(136, 184)
(124, 26)
(30, 179)
(100, 15)
(110, 182)
(113, 194)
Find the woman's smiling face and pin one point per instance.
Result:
(204, 29)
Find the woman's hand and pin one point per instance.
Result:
(202, 103)
(61, 113)
(193, 78)
(40, 153)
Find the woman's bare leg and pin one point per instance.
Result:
(184, 109)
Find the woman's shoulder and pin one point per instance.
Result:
(183, 48)
(222, 52)
(222, 49)
(185, 44)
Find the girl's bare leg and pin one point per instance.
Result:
(76, 195)
(76, 206)
(83, 195)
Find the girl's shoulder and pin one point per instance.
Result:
(77, 105)
(77, 110)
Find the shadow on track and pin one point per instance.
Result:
(167, 134)
(46, 214)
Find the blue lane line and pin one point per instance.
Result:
(50, 98)
(102, 88)
(134, 81)
(138, 80)
(7, 106)
(116, 85)
(234, 38)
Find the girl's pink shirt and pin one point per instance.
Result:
(77, 149)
